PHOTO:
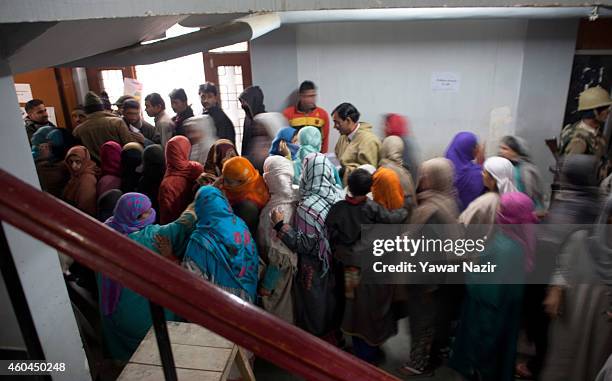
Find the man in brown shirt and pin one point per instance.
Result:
(101, 126)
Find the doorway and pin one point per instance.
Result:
(230, 69)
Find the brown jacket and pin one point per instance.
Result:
(100, 127)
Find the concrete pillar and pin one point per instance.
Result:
(37, 265)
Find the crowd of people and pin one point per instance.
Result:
(277, 221)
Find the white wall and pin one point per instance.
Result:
(387, 67)
(514, 75)
(274, 67)
(549, 55)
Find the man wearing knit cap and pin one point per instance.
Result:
(101, 126)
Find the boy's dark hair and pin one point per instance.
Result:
(33, 103)
(130, 104)
(178, 94)
(346, 110)
(210, 88)
(156, 100)
(359, 182)
(307, 85)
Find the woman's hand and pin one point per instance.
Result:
(553, 301)
(276, 216)
(164, 246)
(264, 292)
(480, 153)
(283, 149)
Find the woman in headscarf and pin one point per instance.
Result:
(264, 128)
(80, 191)
(221, 249)
(153, 169)
(285, 143)
(498, 178)
(391, 157)
(526, 174)
(131, 160)
(110, 156)
(397, 125)
(47, 151)
(485, 347)
(314, 290)
(245, 189)
(309, 140)
(436, 207)
(106, 204)
(126, 317)
(202, 134)
(579, 303)
(280, 262)
(49, 139)
(176, 189)
(463, 151)
(368, 316)
(219, 153)
(387, 189)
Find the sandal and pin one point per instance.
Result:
(410, 371)
(522, 372)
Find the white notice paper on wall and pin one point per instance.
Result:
(445, 82)
(24, 92)
(51, 112)
(132, 87)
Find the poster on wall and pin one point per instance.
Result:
(51, 112)
(132, 87)
(445, 82)
(24, 92)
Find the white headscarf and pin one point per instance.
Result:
(278, 174)
(272, 122)
(502, 171)
(203, 125)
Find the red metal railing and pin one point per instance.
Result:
(86, 240)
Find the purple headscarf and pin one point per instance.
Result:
(468, 175)
(124, 220)
(516, 219)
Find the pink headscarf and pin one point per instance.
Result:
(516, 219)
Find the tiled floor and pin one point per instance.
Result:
(396, 350)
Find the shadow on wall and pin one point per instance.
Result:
(291, 99)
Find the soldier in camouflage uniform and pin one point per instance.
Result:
(586, 135)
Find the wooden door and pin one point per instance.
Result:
(231, 72)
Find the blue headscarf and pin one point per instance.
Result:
(309, 139)
(285, 134)
(468, 175)
(48, 134)
(221, 246)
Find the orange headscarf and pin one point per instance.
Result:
(387, 189)
(249, 183)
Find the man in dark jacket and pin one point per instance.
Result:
(209, 96)
(133, 119)
(37, 117)
(178, 101)
(251, 100)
